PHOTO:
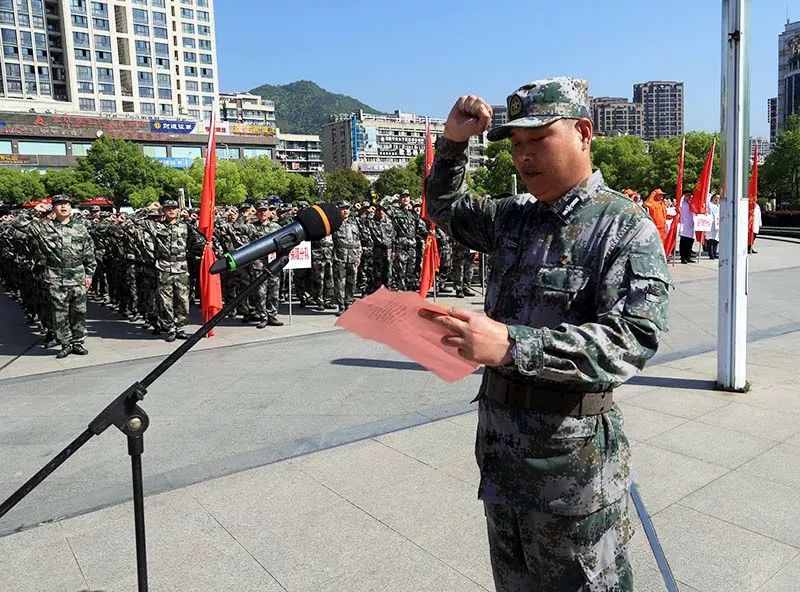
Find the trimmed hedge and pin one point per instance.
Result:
(782, 218)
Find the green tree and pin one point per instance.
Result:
(120, 167)
(477, 180)
(779, 177)
(500, 169)
(397, 179)
(18, 187)
(346, 184)
(300, 187)
(624, 161)
(72, 182)
(263, 177)
(230, 188)
(141, 198)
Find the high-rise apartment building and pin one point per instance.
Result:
(246, 108)
(763, 148)
(788, 102)
(772, 110)
(499, 115)
(300, 153)
(144, 57)
(663, 108)
(617, 116)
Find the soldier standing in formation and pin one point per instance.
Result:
(67, 250)
(383, 240)
(463, 265)
(346, 257)
(405, 226)
(264, 301)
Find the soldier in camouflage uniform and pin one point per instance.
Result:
(322, 273)
(68, 254)
(382, 240)
(462, 269)
(147, 274)
(264, 301)
(365, 220)
(174, 240)
(346, 257)
(405, 226)
(575, 306)
(445, 245)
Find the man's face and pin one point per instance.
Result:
(232, 215)
(548, 157)
(262, 215)
(345, 212)
(63, 210)
(715, 199)
(405, 201)
(379, 214)
(170, 213)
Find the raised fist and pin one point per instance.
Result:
(470, 116)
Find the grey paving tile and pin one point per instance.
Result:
(712, 444)
(779, 395)
(467, 420)
(665, 477)
(680, 402)
(780, 464)
(435, 444)
(765, 423)
(642, 424)
(759, 505)
(714, 556)
(786, 580)
(465, 470)
(187, 549)
(37, 560)
(794, 441)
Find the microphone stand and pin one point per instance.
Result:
(124, 413)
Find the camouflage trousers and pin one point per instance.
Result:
(173, 300)
(263, 303)
(67, 313)
(461, 271)
(240, 280)
(344, 283)
(381, 268)
(365, 271)
(541, 551)
(321, 279)
(146, 287)
(403, 267)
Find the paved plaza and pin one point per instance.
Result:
(301, 458)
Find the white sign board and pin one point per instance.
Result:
(299, 257)
(702, 222)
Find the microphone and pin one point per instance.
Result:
(310, 224)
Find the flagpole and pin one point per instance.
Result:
(732, 305)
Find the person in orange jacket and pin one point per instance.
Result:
(658, 211)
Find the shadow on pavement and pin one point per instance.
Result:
(670, 382)
(366, 363)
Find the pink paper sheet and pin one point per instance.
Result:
(391, 318)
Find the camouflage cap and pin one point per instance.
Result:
(169, 203)
(60, 198)
(542, 102)
(245, 207)
(94, 209)
(302, 204)
(263, 205)
(344, 204)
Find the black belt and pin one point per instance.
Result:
(534, 398)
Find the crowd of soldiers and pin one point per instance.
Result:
(146, 264)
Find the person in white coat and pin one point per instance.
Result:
(756, 227)
(686, 246)
(712, 236)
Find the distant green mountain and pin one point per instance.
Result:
(302, 107)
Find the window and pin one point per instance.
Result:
(208, 100)
(190, 70)
(166, 109)
(38, 22)
(80, 148)
(101, 24)
(189, 56)
(227, 153)
(162, 50)
(194, 113)
(187, 13)
(141, 30)
(103, 56)
(7, 17)
(165, 93)
(188, 42)
(78, 6)
(145, 78)
(256, 152)
(86, 104)
(80, 39)
(204, 44)
(164, 81)
(186, 152)
(105, 89)
(83, 54)
(102, 42)
(105, 75)
(154, 151)
(158, 3)
(208, 87)
(148, 108)
(146, 92)
(160, 18)
(86, 87)
(13, 71)
(9, 36)
(205, 58)
(84, 73)
(160, 33)
(5, 146)
(203, 30)
(193, 99)
(80, 21)
(142, 47)
(162, 63)
(100, 8)
(140, 16)
(25, 39)
(43, 148)
(187, 28)
(192, 85)
(143, 60)
(202, 3)
(206, 73)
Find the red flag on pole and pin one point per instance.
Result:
(210, 287)
(672, 233)
(701, 190)
(752, 198)
(430, 258)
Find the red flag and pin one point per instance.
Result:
(701, 190)
(430, 258)
(210, 287)
(752, 198)
(672, 233)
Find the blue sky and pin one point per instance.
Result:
(419, 56)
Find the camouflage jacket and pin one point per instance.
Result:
(383, 233)
(257, 230)
(322, 250)
(364, 222)
(173, 243)
(405, 225)
(67, 249)
(347, 242)
(582, 285)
